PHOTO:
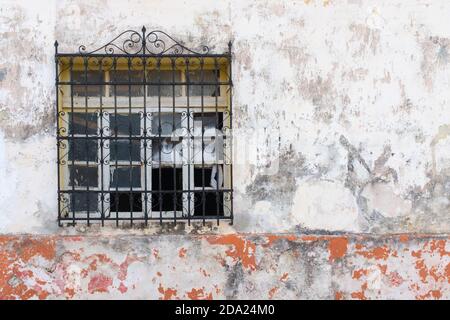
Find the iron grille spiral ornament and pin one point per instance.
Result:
(132, 42)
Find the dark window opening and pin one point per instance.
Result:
(126, 202)
(208, 203)
(84, 201)
(171, 180)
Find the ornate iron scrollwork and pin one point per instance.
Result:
(132, 42)
(144, 131)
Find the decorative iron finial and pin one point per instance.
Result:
(230, 44)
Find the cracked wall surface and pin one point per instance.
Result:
(341, 107)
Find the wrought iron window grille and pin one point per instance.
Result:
(144, 132)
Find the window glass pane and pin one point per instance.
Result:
(171, 180)
(83, 150)
(92, 76)
(132, 76)
(124, 150)
(212, 152)
(84, 201)
(82, 123)
(211, 201)
(123, 123)
(83, 176)
(209, 76)
(167, 151)
(125, 177)
(210, 121)
(167, 123)
(164, 76)
(125, 202)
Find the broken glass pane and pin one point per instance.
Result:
(83, 176)
(82, 123)
(125, 177)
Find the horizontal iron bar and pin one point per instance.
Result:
(148, 218)
(145, 191)
(141, 83)
(148, 137)
(140, 55)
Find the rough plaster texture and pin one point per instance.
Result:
(354, 93)
(232, 267)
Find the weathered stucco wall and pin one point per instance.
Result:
(232, 267)
(355, 95)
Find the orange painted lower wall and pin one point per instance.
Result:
(234, 266)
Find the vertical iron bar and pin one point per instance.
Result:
(174, 151)
(116, 198)
(130, 141)
(72, 200)
(145, 129)
(216, 140)
(160, 141)
(86, 61)
(230, 83)
(190, 137)
(102, 196)
(58, 140)
(202, 79)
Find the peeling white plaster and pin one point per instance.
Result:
(375, 76)
(324, 205)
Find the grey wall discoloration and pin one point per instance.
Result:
(355, 95)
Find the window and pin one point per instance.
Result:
(144, 135)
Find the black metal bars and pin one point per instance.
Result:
(144, 132)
